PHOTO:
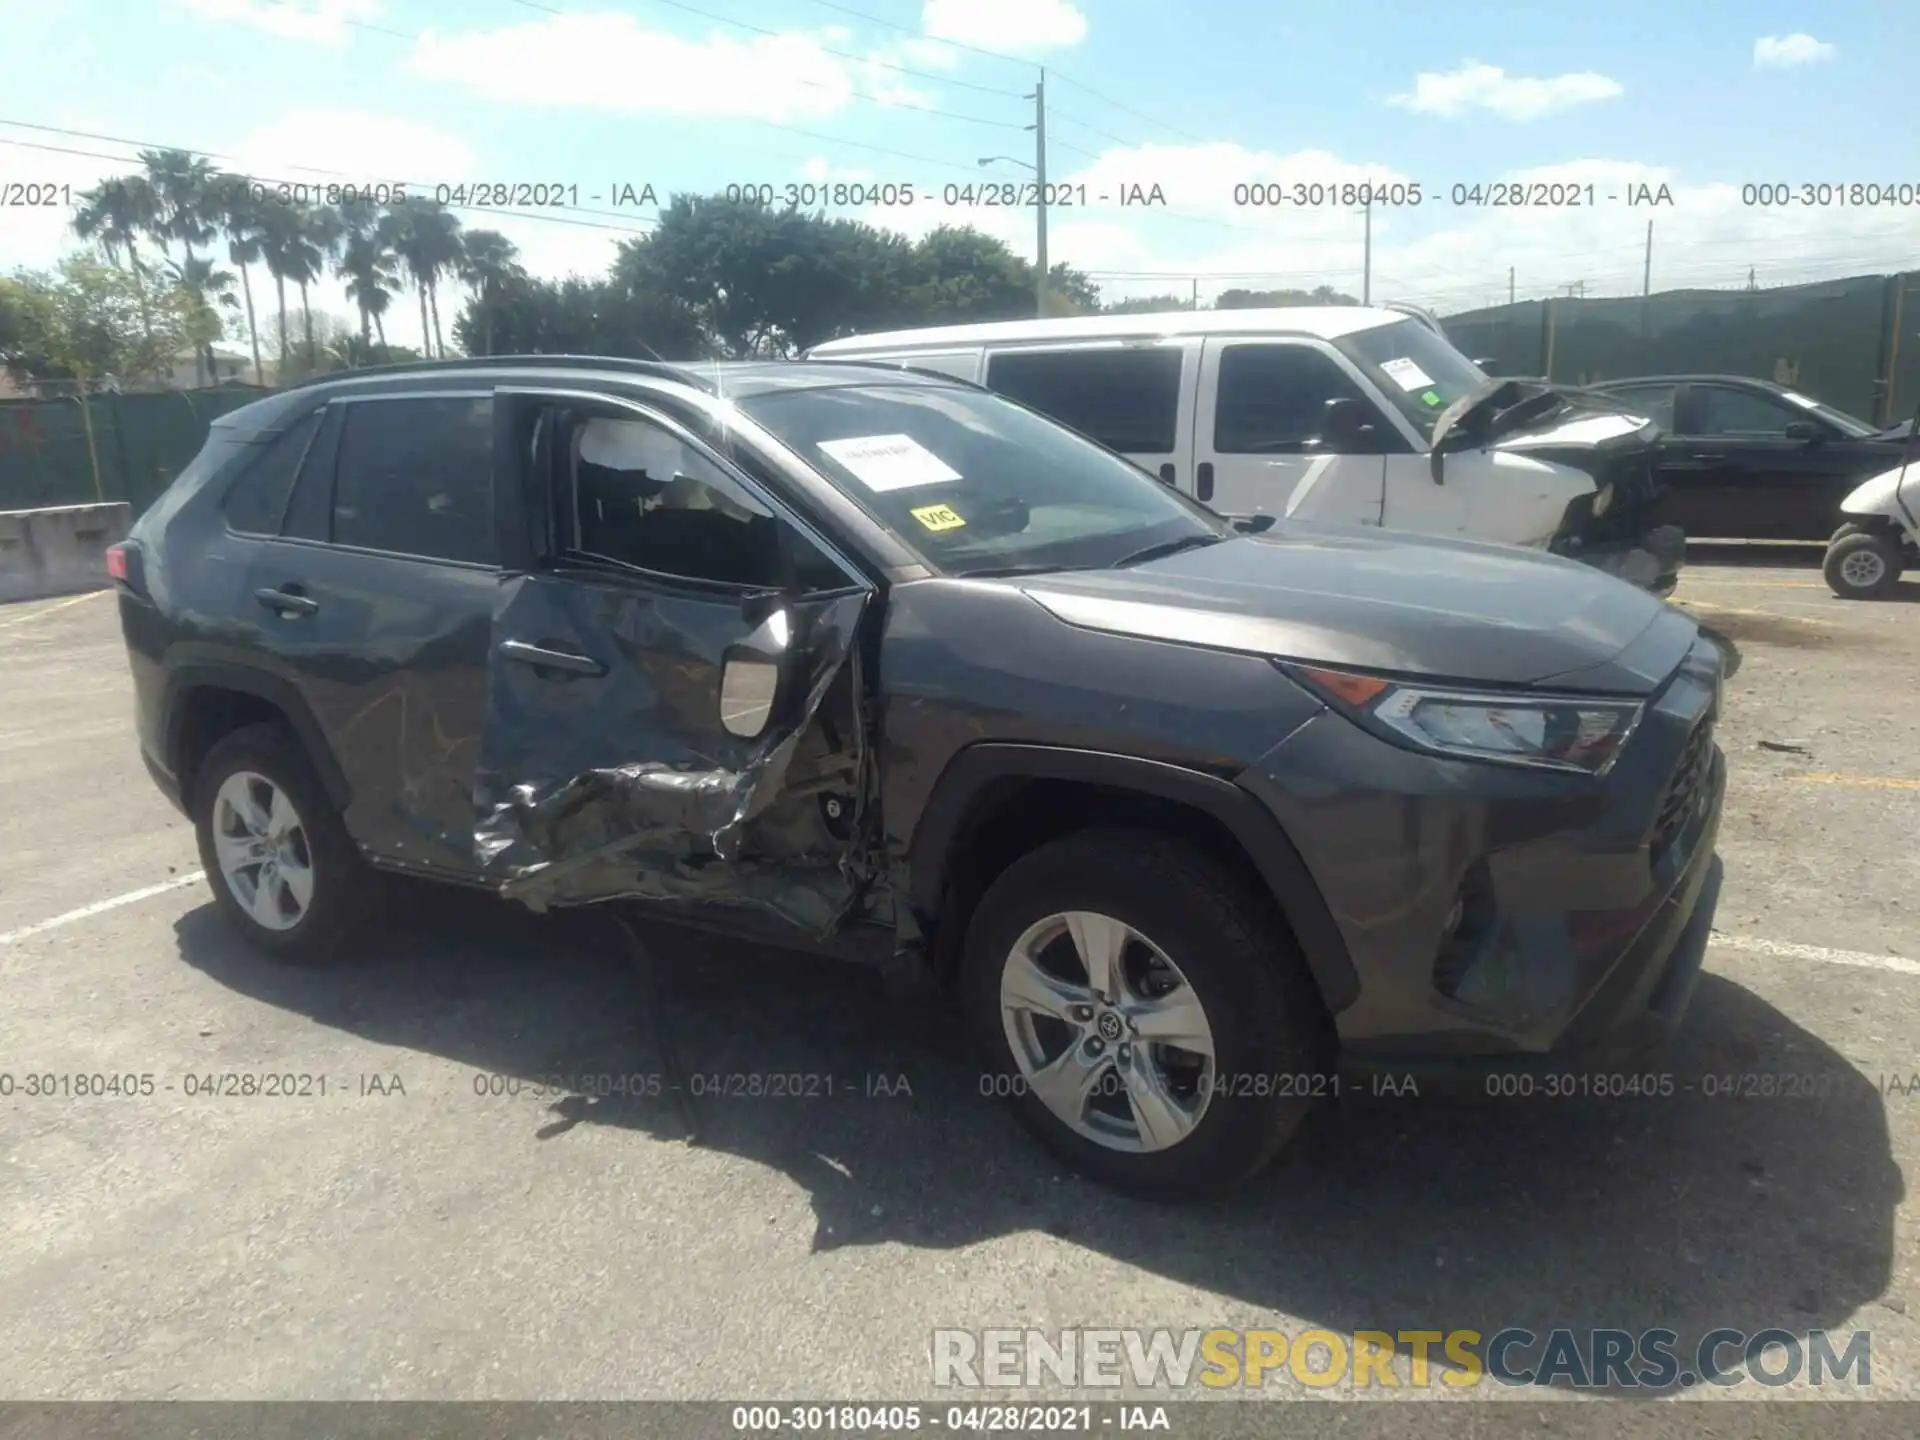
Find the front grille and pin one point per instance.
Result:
(1685, 790)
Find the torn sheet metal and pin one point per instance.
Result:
(626, 786)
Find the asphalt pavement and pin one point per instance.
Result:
(473, 1184)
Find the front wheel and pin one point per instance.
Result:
(1150, 1018)
(1863, 565)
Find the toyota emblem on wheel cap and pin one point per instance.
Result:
(1109, 1026)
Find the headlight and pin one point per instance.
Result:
(1557, 732)
(1602, 500)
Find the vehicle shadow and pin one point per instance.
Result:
(1691, 1211)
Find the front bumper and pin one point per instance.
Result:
(1586, 902)
(1652, 561)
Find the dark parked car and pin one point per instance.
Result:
(1746, 459)
(858, 661)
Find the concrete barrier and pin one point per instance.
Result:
(58, 551)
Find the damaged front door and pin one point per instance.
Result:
(675, 705)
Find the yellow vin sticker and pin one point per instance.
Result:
(938, 517)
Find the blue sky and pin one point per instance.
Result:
(1195, 96)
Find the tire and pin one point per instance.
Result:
(1271, 1038)
(1851, 569)
(338, 885)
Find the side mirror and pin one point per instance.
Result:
(1488, 367)
(1346, 427)
(1802, 430)
(753, 675)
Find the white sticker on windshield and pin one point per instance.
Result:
(1802, 401)
(1407, 375)
(890, 462)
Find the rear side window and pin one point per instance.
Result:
(415, 477)
(1273, 398)
(255, 502)
(1655, 402)
(1739, 414)
(1126, 400)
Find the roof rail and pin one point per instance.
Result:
(926, 370)
(661, 369)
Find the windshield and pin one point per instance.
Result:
(974, 482)
(1417, 370)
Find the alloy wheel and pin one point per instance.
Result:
(1107, 1032)
(261, 844)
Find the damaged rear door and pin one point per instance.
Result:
(675, 694)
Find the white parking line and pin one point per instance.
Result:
(1787, 950)
(100, 906)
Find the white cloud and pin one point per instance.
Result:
(1024, 26)
(1787, 52)
(316, 22)
(1474, 86)
(325, 146)
(612, 62)
(1452, 257)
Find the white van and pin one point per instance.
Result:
(1343, 414)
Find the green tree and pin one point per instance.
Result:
(318, 236)
(490, 264)
(239, 217)
(584, 317)
(426, 237)
(1147, 305)
(368, 265)
(205, 286)
(115, 214)
(87, 321)
(280, 251)
(186, 187)
(1273, 299)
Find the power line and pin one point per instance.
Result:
(1137, 114)
(541, 214)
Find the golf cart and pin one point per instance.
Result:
(1881, 533)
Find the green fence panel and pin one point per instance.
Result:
(1834, 340)
(140, 443)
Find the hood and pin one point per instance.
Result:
(1876, 496)
(1533, 416)
(1458, 610)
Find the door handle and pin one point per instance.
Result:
(1203, 480)
(1167, 473)
(542, 658)
(287, 602)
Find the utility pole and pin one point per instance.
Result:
(1039, 128)
(1366, 264)
(1509, 284)
(1196, 294)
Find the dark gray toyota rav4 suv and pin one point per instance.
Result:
(860, 660)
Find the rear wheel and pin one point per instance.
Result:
(1863, 565)
(282, 867)
(1149, 1018)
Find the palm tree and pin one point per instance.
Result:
(366, 263)
(279, 236)
(115, 213)
(204, 283)
(320, 230)
(489, 262)
(240, 219)
(426, 237)
(188, 191)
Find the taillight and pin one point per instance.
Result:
(117, 565)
